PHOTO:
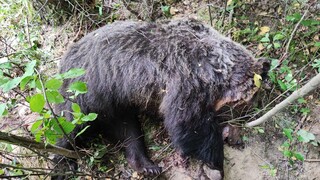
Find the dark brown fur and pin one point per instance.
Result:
(182, 71)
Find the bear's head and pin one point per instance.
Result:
(242, 86)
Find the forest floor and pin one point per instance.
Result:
(261, 158)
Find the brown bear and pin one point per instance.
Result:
(182, 71)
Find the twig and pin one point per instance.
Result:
(126, 5)
(31, 144)
(82, 10)
(27, 31)
(295, 29)
(209, 8)
(24, 168)
(43, 171)
(312, 160)
(224, 11)
(45, 3)
(310, 86)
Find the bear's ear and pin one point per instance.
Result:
(262, 66)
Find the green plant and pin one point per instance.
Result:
(272, 170)
(23, 79)
(260, 130)
(166, 10)
(289, 147)
(20, 74)
(316, 64)
(272, 41)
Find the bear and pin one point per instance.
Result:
(181, 71)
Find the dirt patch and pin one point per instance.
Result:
(261, 158)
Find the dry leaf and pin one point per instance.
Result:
(173, 11)
(260, 46)
(264, 30)
(257, 80)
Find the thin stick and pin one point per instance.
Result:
(295, 29)
(209, 6)
(31, 144)
(310, 86)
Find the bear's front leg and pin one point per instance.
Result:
(199, 138)
(125, 128)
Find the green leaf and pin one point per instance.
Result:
(315, 143)
(3, 107)
(260, 130)
(155, 148)
(288, 133)
(269, 46)
(78, 87)
(317, 44)
(265, 39)
(11, 84)
(76, 108)
(51, 136)
(288, 77)
(35, 126)
(38, 135)
(294, 17)
(299, 156)
(276, 45)
(305, 136)
(273, 172)
(54, 97)
(47, 115)
(287, 153)
(265, 166)
(56, 126)
(24, 82)
(82, 131)
(89, 117)
(274, 63)
(53, 84)
(72, 73)
(305, 111)
(30, 68)
(166, 10)
(6, 65)
(283, 86)
(302, 101)
(286, 144)
(278, 37)
(3, 80)
(68, 126)
(37, 103)
(245, 138)
(310, 22)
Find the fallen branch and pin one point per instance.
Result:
(310, 86)
(31, 144)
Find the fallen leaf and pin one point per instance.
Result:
(260, 46)
(173, 11)
(264, 30)
(135, 174)
(257, 80)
